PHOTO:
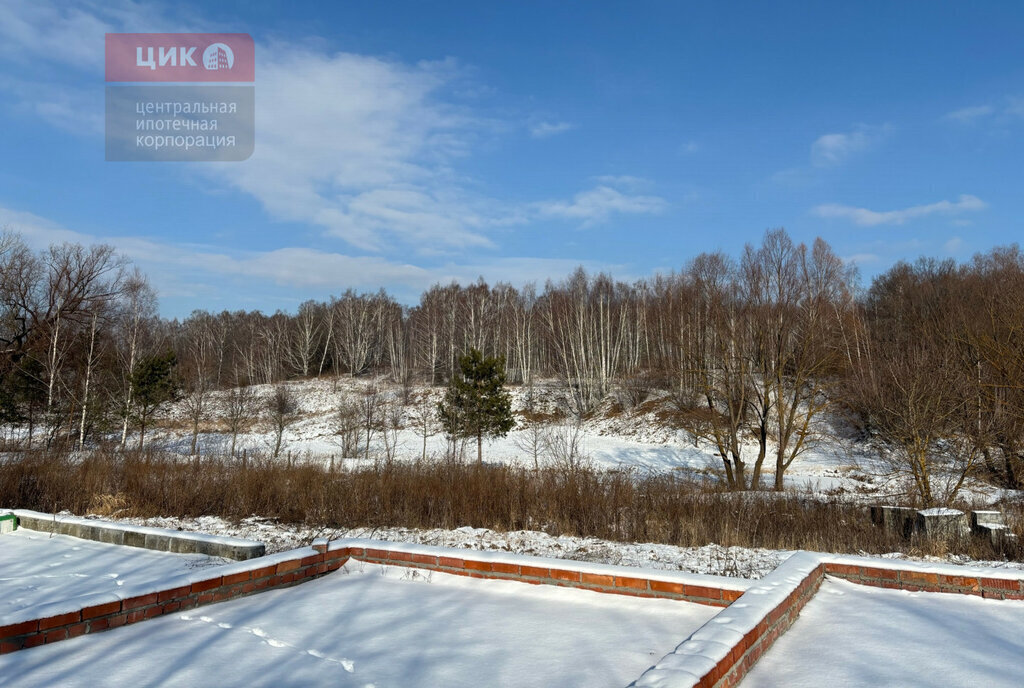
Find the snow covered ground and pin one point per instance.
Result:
(376, 626)
(612, 438)
(853, 635)
(742, 562)
(39, 568)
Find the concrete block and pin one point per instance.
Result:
(895, 519)
(134, 539)
(998, 534)
(162, 540)
(161, 543)
(111, 535)
(182, 545)
(86, 532)
(243, 552)
(206, 547)
(941, 524)
(980, 518)
(37, 524)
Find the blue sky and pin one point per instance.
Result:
(405, 143)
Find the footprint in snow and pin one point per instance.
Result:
(206, 619)
(346, 664)
(224, 625)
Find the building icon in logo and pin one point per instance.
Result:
(218, 56)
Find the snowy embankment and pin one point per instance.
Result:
(640, 439)
(369, 625)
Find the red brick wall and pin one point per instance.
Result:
(119, 613)
(728, 672)
(26, 634)
(544, 574)
(731, 669)
(903, 579)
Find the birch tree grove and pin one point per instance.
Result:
(749, 350)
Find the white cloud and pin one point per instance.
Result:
(362, 148)
(38, 37)
(189, 272)
(970, 114)
(1007, 111)
(829, 150)
(39, 232)
(871, 218)
(542, 130)
(862, 258)
(598, 204)
(626, 181)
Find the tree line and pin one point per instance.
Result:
(927, 360)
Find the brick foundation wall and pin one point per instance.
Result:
(731, 670)
(253, 577)
(218, 588)
(717, 655)
(463, 563)
(723, 651)
(924, 581)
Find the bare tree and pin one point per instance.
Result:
(795, 304)
(371, 407)
(532, 440)
(390, 426)
(424, 419)
(137, 309)
(563, 445)
(716, 362)
(348, 428)
(200, 354)
(305, 339)
(239, 406)
(283, 407)
(913, 389)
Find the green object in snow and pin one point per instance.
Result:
(8, 523)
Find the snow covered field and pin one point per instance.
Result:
(39, 568)
(368, 625)
(612, 438)
(854, 635)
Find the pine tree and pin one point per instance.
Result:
(476, 403)
(154, 384)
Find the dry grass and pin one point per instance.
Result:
(620, 505)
